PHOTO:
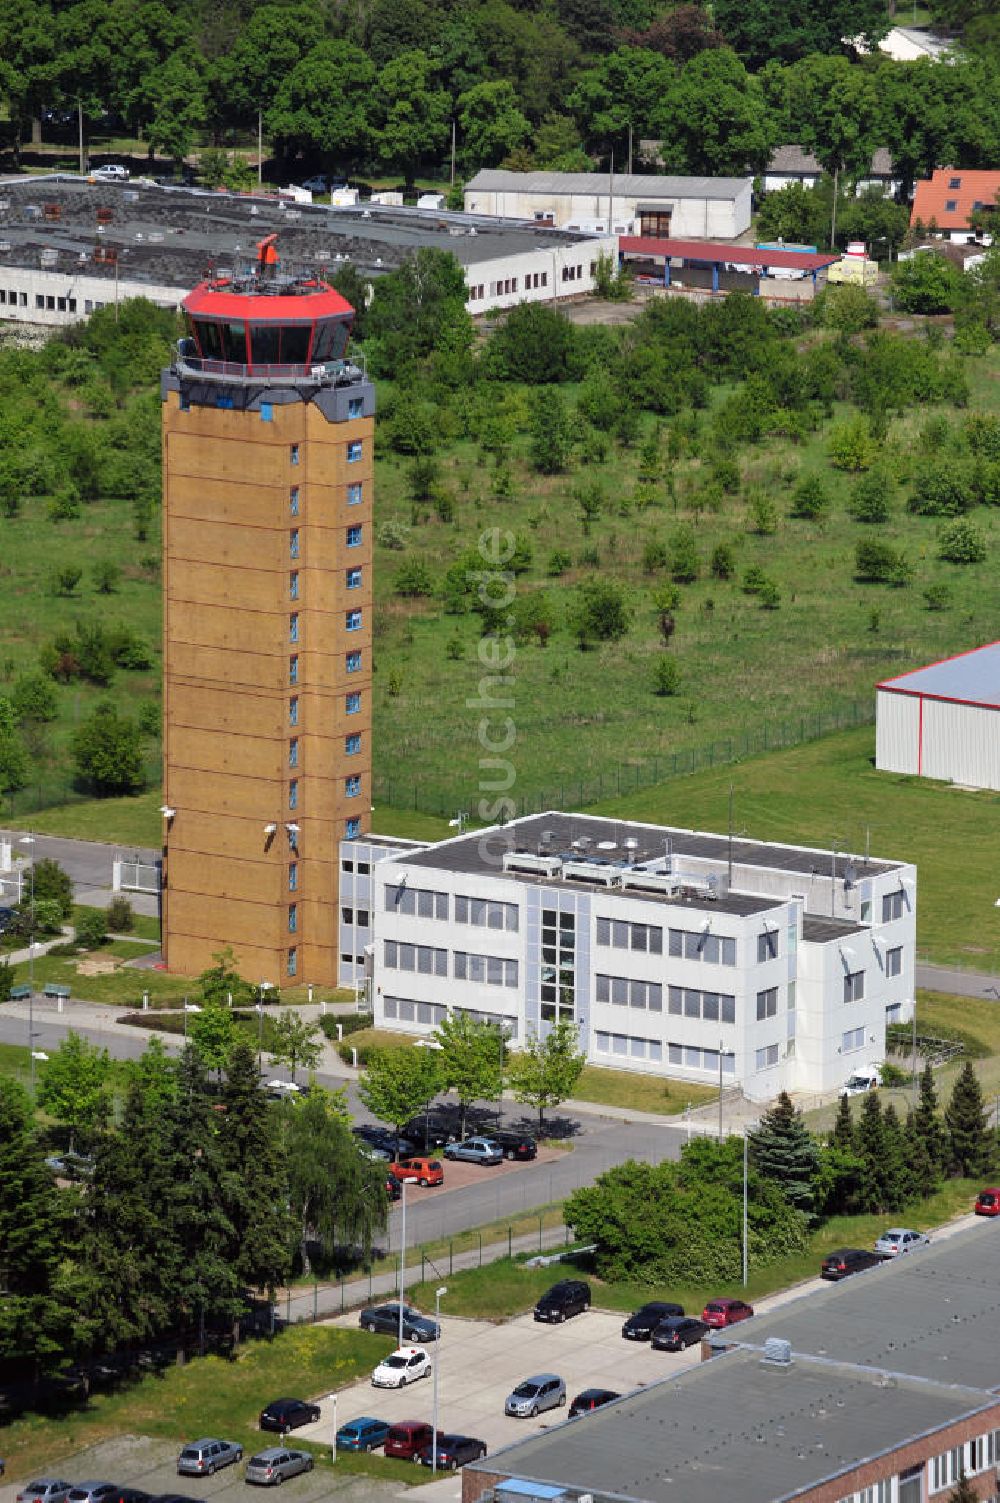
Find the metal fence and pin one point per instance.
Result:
(628, 777)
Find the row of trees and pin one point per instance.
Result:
(473, 1059)
(682, 1223)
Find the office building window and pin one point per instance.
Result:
(767, 1003)
(485, 914)
(624, 936)
(352, 785)
(355, 407)
(293, 794)
(854, 986)
(766, 1057)
(623, 991)
(293, 917)
(352, 621)
(293, 454)
(488, 970)
(854, 1038)
(293, 710)
(353, 661)
(892, 905)
(293, 627)
(354, 451)
(690, 1002)
(767, 946)
(293, 668)
(354, 536)
(558, 972)
(353, 579)
(293, 500)
(293, 752)
(293, 876)
(352, 745)
(354, 494)
(894, 961)
(293, 543)
(292, 964)
(353, 704)
(352, 829)
(417, 902)
(293, 585)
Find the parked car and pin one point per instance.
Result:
(475, 1151)
(677, 1332)
(535, 1395)
(111, 172)
(407, 1439)
(385, 1320)
(132, 1495)
(44, 1490)
(453, 1451)
(92, 1492)
(203, 1458)
(643, 1322)
(271, 1467)
(407, 1364)
(317, 184)
(900, 1239)
(988, 1203)
(288, 1414)
(392, 1187)
(389, 1143)
(568, 1297)
(364, 1434)
(725, 1312)
(430, 1131)
(174, 1498)
(860, 1083)
(847, 1260)
(591, 1398)
(516, 1145)
(424, 1171)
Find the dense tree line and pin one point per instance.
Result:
(377, 87)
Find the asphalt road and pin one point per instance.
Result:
(87, 862)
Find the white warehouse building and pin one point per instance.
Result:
(674, 952)
(943, 721)
(702, 208)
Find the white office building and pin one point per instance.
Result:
(627, 203)
(674, 952)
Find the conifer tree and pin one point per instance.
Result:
(842, 1133)
(965, 1119)
(782, 1149)
(254, 1179)
(927, 1121)
(870, 1146)
(899, 1181)
(924, 1172)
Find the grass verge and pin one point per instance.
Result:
(639, 1093)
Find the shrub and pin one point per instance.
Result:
(655, 556)
(851, 445)
(91, 931)
(119, 916)
(937, 597)
(600, 612)
(878, 562)
(810, 498)
(66, 579)
(961, 542)
(942, 490)
(754, 580)
(871, 498)
(423, 477)
(666, 675)
(453, 650)
(393, 535)
(558, 562)
(33, 698)
(149, 718)
(413, 579)
(846, 308)
(685, 565)
(726, 474)
(107, 750)
(769, 595)
(723, 561)
(107, 576)
(763, 514)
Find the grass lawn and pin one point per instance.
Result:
(119, 821)
(640, 1093)
(211, 1396)
(508, 1287)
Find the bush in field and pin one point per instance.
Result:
(961, 542)
(878, 562)
(871, 498)
(810, 498)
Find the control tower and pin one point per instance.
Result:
(267, 575)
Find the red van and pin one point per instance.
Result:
(407, 1439)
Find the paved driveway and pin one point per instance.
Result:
(480, 1363)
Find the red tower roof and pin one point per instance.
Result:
(258, 301)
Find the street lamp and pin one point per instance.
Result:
(189, 1007)
(437, 1363)
(402, 1262)
(29, 840)
(333, 1458)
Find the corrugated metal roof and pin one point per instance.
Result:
(626, 184)
(717, 251)
(971, 678)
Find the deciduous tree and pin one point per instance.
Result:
(545, 1072)
(73, 1086)
(399, 1083)
(294, 1042)
(335, 1195)
(470, 1061)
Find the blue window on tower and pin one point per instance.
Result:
(293, 752)
(354, 494)
(352, 620)
(293, 794)
(355, 407)
(353, 662)
(293, 454)
(353, 579)
(293, 543)
(352, 785)
(352, 744)
(293, 917)
(293, 500)
(293, 710)
(293, 585)
(354, 704)
(354, 451)
(352, 829)
(354, 537)
(293, 962)
(293, 876)
(266, 412)
(293, 668)
(293, 627)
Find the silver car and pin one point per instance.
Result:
(900, 1239)
(44, 1490)
(535, 1395)
(202, 1458)
(272, 1466)
(92, 1492)
(475, 1151)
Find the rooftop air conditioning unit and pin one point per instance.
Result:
(777, 1352)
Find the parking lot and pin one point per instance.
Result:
(480, 1363)
(458, 1174)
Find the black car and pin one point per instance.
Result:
(516, 1145)
(644, 1321)
(382, 1137)
(385, 1319)
(568, 1297)
(428, 1134)
(591, 1398)
(847, 1260)
(453, 1451)
(677, 1332)
(288, 1414)
(393, 1188)
(174, 1498)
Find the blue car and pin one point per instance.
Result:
(364, 1434)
